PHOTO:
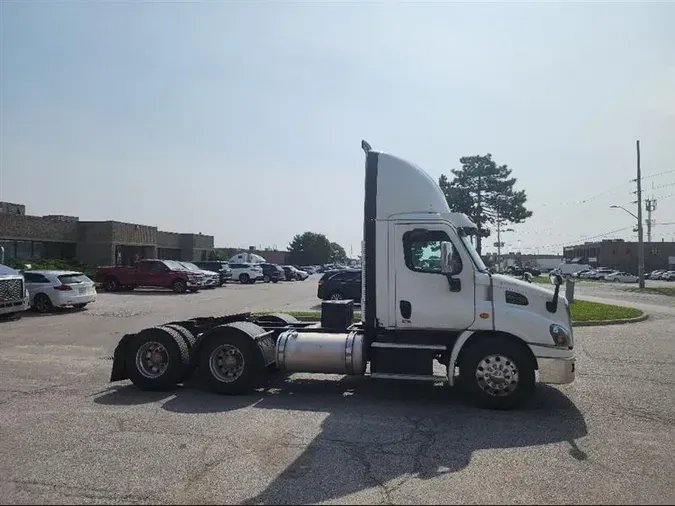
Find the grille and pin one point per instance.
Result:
(11, 289)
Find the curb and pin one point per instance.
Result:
(599, 323)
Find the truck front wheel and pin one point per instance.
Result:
(496, 373)
(229, 364)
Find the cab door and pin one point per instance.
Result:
(423, 294)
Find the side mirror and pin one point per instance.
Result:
(556, 279)
(448, 265)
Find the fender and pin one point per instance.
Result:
(456, 348)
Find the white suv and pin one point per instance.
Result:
(246, 273)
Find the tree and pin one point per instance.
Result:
(484, 191)
(309, 248)
(338, 255)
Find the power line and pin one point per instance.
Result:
(663, 186)
(598, 236)
(657, 174)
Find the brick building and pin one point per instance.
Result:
(622, 255)
(92, 242)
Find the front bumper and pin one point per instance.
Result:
(556, 371)
(14, 306)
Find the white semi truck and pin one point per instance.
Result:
(427, 297)
(13, 293)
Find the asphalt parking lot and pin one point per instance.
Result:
(69, 436)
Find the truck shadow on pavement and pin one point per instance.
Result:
(377, 434)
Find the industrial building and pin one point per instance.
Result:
(92, 242)
(622, 255)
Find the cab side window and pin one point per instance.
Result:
(157, 267)
(422, 250)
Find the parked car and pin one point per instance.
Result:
(300, 274)
(600, 273)
(289, 272)
(222, 268)
(339, 285)
(622, 277)
(245, 272)
(272, 272)
(308, 269)
(569, 269)
(50, 289)
(210, 279)
(655, 274)
(293, 273)
(580, 274)
(668, 276)
(151, 273)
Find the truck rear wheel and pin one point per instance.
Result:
(230, 364)
(155, 360)
(496, 373)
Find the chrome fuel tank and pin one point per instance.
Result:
(321, 352)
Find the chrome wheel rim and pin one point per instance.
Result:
(336, 296)
(226, 363)
(497, 375)
(152, 359)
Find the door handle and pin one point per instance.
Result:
(406, 309)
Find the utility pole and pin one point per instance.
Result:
(650, 207)
(641, 247)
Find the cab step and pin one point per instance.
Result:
(409, 377)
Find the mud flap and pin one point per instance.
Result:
(119, 367)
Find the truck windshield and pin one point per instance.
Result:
(466, 240)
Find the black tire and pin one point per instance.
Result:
(179, 285)
(190, 340)
(251, 374)
(177, 355)
(244, 278)
(508, 357)
(42, 303)
(266, 278)
(80, 306)
(111, 284)
(275, 281)
(336, 295)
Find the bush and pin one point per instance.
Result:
(46, 264)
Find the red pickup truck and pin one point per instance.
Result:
(156, 273)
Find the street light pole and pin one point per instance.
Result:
(641, 247)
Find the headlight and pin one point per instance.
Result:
(560, 336)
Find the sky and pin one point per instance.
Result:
(243, 120)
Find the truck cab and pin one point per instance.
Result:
(428, 295)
